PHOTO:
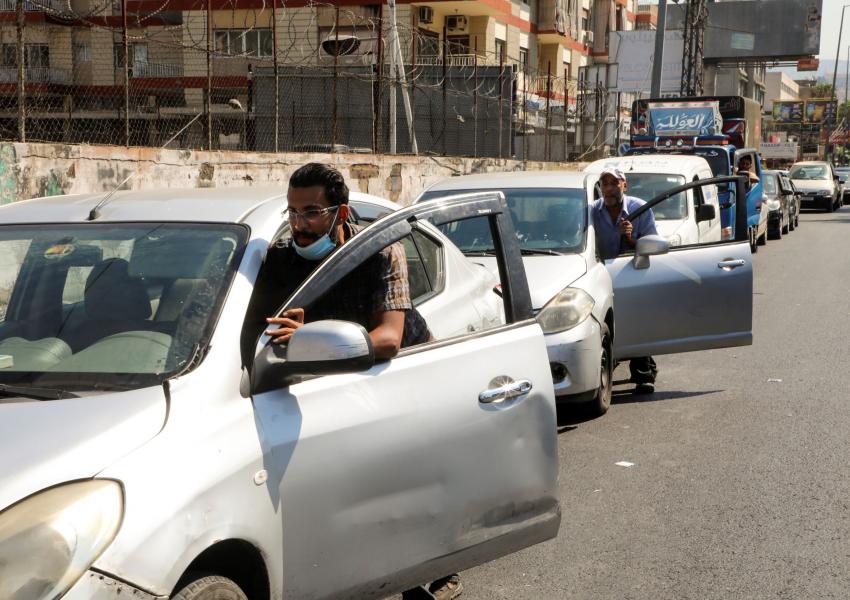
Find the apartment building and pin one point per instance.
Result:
(180, 60)
(779, 86)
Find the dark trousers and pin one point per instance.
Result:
(643, 369)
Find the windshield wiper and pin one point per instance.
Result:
(533, 251)
(36, 393)
(485, 252)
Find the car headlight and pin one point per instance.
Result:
(567, 309)
(824, 193)
(49, 540)
(674, 240)
(773, 205)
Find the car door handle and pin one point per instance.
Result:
(505, 392)
(729, 264)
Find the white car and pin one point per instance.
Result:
(143, 457)
(691, 217)
(683, 298)
(819, 185)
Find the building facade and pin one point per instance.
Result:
(779, 86)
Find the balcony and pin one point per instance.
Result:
(51, 6)
(149, 70)
(454, 60)
(35, 75)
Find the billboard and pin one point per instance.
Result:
(788, 111)
(632, 52)
(820, 110)
(671, 119)
(757, 29)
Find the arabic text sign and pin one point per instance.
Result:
(684, 118)
(780, 150)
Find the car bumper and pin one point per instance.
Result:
(97, 586)
(574, 357)
(814, 201)
(774, 217)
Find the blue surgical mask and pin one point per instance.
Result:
(320, 248)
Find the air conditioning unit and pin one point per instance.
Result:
(426, 14)
(456, 23)
(588, 38)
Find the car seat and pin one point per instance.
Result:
(114, 301)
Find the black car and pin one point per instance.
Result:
(779, 200)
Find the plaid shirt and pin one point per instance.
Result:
(379, 284)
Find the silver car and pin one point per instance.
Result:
(688, 297)
(153, 446)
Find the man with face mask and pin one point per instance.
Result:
(614, 235)
(376, 294)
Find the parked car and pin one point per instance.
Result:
(573, 291)
(681, 220)
(143, 457)
(818, 183)
(779, 204)
(843, 177)
(793, 199)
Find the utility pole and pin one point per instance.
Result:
(696, 15)
(828, 146)
(658, 55)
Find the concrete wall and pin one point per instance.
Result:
(32, 170)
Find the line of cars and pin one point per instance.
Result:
(154, 446)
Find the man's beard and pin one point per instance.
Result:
(305, 238)
(613, 200)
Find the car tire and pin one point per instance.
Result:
(762, 239)
(790, 222)
(602, 401)
(784, 229)
(829, 206)
(753, 246)
(210, 587)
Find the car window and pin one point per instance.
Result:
(12, 253)
(549, 220)
(105, 305)
(646, 186)
(770, 183)
(431, 253)
(809, 172)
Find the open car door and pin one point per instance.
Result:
(684, 298)
(393, 474)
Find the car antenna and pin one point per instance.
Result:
(94, 213)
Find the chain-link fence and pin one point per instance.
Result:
(272, 77)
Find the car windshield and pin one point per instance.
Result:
(547, 220)
(769, 183)
(718, 161)
(809, 172)
(646, 186)
(110, 306)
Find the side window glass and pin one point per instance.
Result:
(432, 255)
(417, 278)
(12, 254)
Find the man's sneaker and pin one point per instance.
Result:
(644, 388)
(447, 588)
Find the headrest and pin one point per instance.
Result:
(111, 293)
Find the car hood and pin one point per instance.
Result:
(812, 185)
(547, 275)
(44, 443)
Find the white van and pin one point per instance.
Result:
(683, 219)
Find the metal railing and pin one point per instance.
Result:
(150, 69)
(58, 6)
(9, 74)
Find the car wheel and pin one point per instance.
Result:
(785, 228)
(602, 402)
(790, 222)
(753, 246)
(211, 587)
(829, 206)
(762, 239)
(797, 220)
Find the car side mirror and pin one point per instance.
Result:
(650, 245)
(318, 348)
(836, 179)
(705, 212)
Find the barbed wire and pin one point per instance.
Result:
(273, 66)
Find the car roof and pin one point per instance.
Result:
(196, 205)
(649, 163)
(512, 179)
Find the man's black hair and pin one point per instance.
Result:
(318, 174)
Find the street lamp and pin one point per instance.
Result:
(835, 68)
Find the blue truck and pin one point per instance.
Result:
(716, 128)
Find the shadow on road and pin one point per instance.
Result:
(841, 220)
(628, 397)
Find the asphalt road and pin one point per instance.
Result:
(741, 485)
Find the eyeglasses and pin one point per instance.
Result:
(310, 216)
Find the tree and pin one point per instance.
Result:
(822, 90)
